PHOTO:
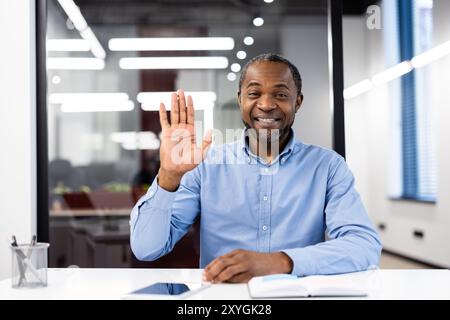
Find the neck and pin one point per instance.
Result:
(268, 150)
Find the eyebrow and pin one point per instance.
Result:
(278, 85)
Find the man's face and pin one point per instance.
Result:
(269, 99)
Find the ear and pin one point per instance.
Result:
(298, 102)
(239, 98)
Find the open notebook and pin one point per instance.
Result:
(286, 285)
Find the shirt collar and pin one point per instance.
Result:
(285, 154)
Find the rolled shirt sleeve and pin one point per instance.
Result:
(160, 218)
(353, 244)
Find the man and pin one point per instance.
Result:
(265, 201)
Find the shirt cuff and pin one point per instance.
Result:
(303, 262)
(161, 198)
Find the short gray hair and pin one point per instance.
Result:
(273, 57)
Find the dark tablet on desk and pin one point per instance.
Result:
(166, 290)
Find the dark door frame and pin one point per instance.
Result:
(337, 81)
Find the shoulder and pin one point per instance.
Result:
(318, 154)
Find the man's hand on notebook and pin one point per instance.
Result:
(239, 266)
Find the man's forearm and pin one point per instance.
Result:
(169, 181)
(150, 224)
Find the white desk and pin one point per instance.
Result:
(113, 283)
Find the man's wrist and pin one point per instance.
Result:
(169, 181)
(286, 263)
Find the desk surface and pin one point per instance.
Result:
(74, 283)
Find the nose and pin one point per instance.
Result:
(266, 103)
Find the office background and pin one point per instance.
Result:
(415, 229)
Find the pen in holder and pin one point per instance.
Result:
(30, 269)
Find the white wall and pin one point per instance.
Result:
(305, 43)
(369, 118)
(17, 126)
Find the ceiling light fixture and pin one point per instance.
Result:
(174, 63)
(96, 47)
(357, 89)
(235, 67)
(258, 21)
(392, 73)
(151, 100)
(171, 44)
(74, 14)
(431, 55)
(241, 55)
(95, 106)
(75, 64)
(81, 97)
(67, 45)
(248, 41)
(231, 76)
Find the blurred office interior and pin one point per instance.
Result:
(109, 64)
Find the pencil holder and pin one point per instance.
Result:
(29, 265)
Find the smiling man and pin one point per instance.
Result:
(266, 202)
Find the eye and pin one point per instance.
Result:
(253, 94)
(281, 95)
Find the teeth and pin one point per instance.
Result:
(267, 120)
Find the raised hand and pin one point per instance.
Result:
(179, 152)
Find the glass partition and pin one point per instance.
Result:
(110, 63)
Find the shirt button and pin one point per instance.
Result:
(265, 198)
(264, 228)
(248, 160)
(266, 169)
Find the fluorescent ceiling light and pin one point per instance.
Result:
(268, 1)
(357, 89)
(75, 63)
(94, 97)
(131, 140)
(171, 44)
(127, 136)
(96, 47)
(97, 106)
(174, 63)
(431, 55)
(392, 73)
(151, 100)
(67, 45)
(142, 145)
(74, 14)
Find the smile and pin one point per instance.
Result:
(267, 120)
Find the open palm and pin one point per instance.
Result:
(179, 152)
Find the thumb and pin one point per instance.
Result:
(207, 140)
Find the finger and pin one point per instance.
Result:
(206, 143)
(242, 277)
(190, 110)
(230, 273)
(182, 103)
(163, 117)
(215, 267)
(175, 113)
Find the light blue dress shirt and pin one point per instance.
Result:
(307, 192)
